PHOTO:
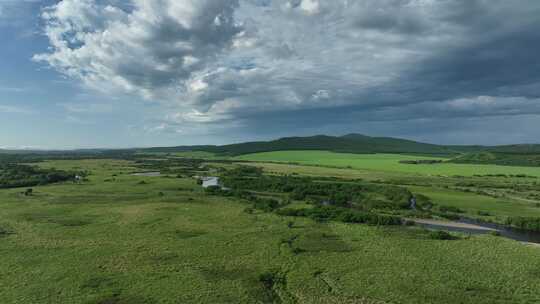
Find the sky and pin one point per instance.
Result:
(139, 73)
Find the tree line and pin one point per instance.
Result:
(14, 175)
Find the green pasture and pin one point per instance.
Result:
(473, 203)
(119, 238)
(386, 163)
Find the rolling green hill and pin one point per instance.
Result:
(362, 144)
(516, 155)
(351, 143)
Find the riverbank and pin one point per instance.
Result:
(472, 227)
(448, 224)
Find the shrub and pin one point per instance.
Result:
(14, 175)
(495, 233)
(448, 216)
(217, 190)
(450, 209)
(266, 204)
(327, 213)
(524, 223)
(423, 202)
(5, 232)
(271, 278)
(440, 235)
(297, 250)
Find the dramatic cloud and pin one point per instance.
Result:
(148, 48)
(304, 63)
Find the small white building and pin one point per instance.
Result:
(210, 181)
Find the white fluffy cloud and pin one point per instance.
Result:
(148, 48)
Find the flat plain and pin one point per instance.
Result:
(118, 238)
(386, 163)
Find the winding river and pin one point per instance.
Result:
(471, 226)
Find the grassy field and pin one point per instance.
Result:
(385, 163)
(431, 186)
(473, 203)
(114, 239)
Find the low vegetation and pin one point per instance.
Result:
(524, 223)
(390, 163)
(279, 234)
(520, 158)
(345, 215)
(14, 175)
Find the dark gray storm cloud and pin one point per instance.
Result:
(259, 67)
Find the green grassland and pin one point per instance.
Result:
(385, 162)
(474, 204)
(114, 239)
(442, 190)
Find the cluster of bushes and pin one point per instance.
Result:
(334, 193)
(450, 209)
(440, 235)
(506, 176)
(259, 203)
(245, 171)
(5, 232)
(514, 158)
(448, 216)
(266, 204)
(13, 175)
(483, 213)
(328, 213)
(524, 223)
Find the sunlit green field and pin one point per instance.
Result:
(115, 240)
(385, 162)
(473, 203)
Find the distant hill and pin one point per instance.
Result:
(521, 155)
(518, 155)
(351, 143)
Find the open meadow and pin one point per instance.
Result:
(386, 163)
(269, 152)
(119, 238)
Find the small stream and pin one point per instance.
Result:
(484, 228)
